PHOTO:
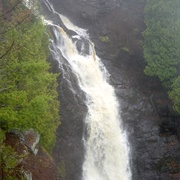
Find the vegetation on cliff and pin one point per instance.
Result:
(28, 96)
(161, 45)
(18, 162)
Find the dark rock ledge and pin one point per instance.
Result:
(34, 163)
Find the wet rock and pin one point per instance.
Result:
(31, 140)
(168, 126)
(30, 166)
(83, 47)
(69, 146)
(27, 175)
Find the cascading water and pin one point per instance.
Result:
(106, 156)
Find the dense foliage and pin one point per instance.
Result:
(162, 44)
(8, 164)
(28, 97)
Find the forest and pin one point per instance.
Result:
(28, 96)
(162, 45)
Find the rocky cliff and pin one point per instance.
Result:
(115, 26)
(23, 158)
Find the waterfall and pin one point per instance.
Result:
(106, 149)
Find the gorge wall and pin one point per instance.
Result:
(115, 26)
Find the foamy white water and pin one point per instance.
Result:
(107, 152)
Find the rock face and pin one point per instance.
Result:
(31, 140)
(36, 165)
(69, 146)
(115, 27)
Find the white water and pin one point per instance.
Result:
(106, 156)
(32, 5)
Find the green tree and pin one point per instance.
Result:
(161, 46)
(161, 41)
(175, 94)
(28, 96)
(8, 163)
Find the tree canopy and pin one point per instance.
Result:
(162, 44)
(28, 96)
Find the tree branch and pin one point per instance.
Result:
(15, 25)
(7, 50)
(12, 9)
(3, 89)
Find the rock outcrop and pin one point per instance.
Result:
(32, 161)
(31, 140)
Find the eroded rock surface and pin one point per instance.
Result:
(29, 165)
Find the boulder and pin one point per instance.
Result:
(31, 140)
